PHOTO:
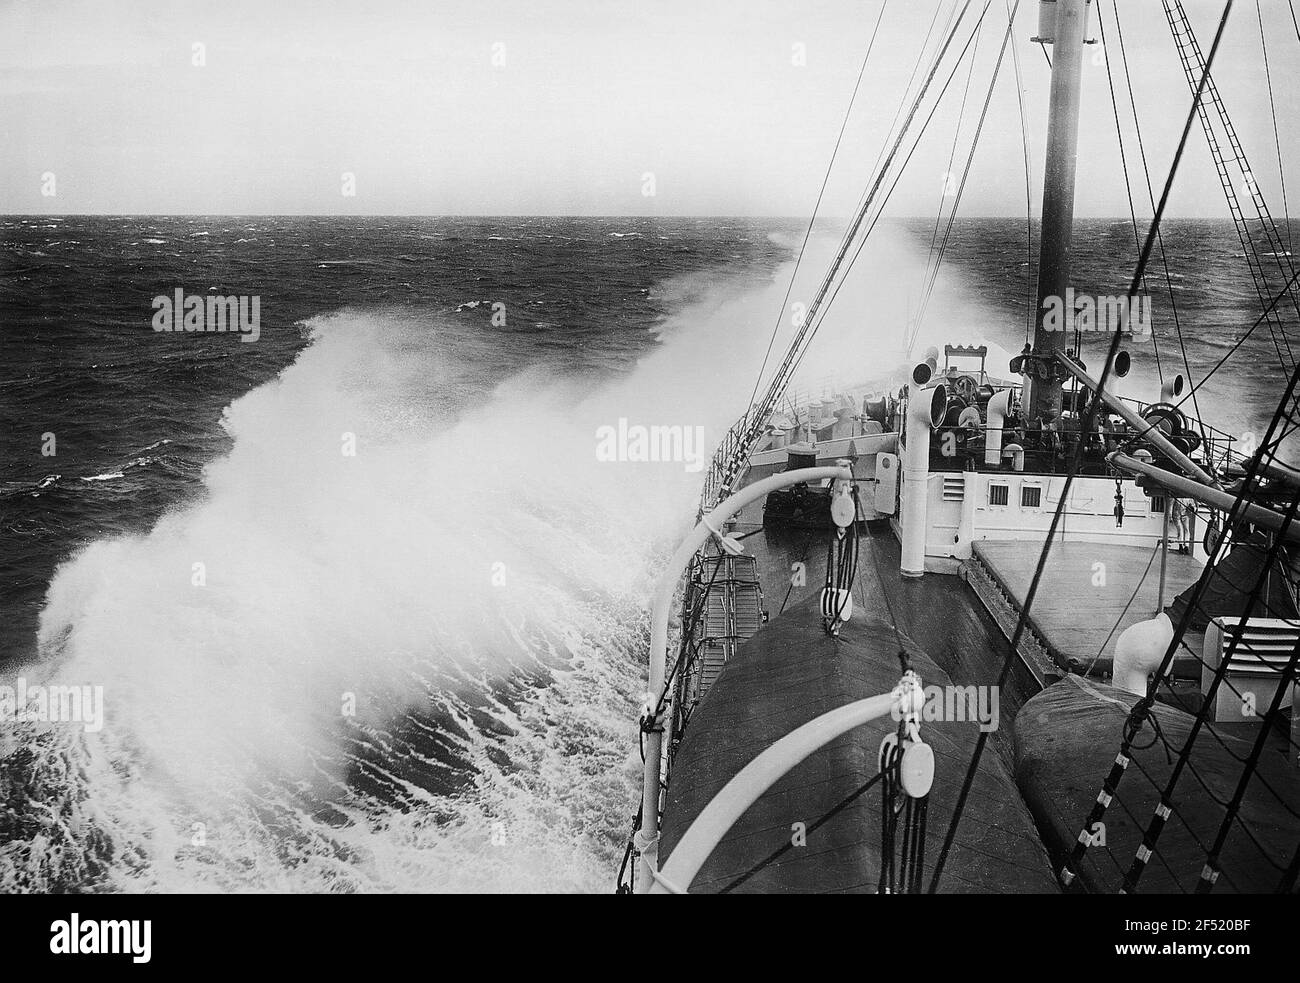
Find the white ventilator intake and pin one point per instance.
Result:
(1171, 389)
(999, 405)
(1139, 652)
(925, 408)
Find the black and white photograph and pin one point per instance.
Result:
(651, 447)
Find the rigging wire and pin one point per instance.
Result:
(798, 356)
(1151, 197)
(1118, 621)
(1077, 461)
(1190, 57)
(904, 100)
(816, 207)
(1123, 159)
(776, 854)
(970, 160)
(798, 346)
(1277, 140)
(1184, 758)
(952, 156)
(1268, 309)
(1029, 192)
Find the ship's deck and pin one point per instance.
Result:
(788, 674)
(1075, 612)
(799, 673)
(937, 612)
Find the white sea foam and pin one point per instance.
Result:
(474, 577)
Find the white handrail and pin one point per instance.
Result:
(666, 590)
(712, 824)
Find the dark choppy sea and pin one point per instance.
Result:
(414, 665)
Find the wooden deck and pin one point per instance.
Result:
(1075, 609)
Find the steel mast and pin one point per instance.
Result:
(1063, 24)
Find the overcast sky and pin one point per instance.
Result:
(553, 107)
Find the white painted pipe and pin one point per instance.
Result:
(925, 409)
(1222, 501)
(998, 407)
(660, 610)
(725, 808)
(1146, 431)
(1017, 455)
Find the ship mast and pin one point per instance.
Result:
(1062, 23)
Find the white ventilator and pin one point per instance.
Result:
(1140, 650)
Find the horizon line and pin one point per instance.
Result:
(784, 218)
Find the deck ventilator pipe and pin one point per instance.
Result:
(998, 407)
(660, 611)
(925, 409)
(749, 784)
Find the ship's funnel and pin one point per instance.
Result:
(925, 409)
(999, 405)
(1171, 389)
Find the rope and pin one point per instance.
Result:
(1029, 194)
(1277, 140)
(1077, 461)
(1119, 620)
(943, 193)
(803, 560)
(1156, 826)
(908, 871)
(783, 850)
(841, 570)
(1164, 256)
(970, 159)
(1128, 188)
(808, 329)
(1190, 57)
(821, 191)
(898, 177)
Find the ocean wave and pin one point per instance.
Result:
(411, 667)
